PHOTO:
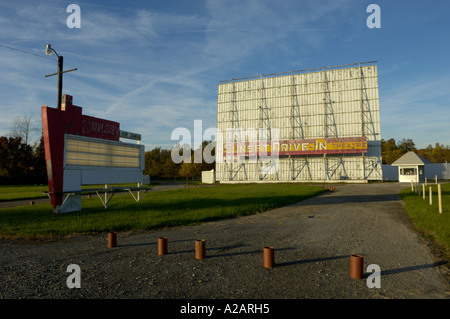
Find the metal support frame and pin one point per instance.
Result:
(108, 190)
(373, 165)
(296, 170)
(296, 118)
(115, 190)
(331, 163)
(367, 124)
(332, 169)
(329, 123)
(233, 169)
(265, 166)
(297, 132)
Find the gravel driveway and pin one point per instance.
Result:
(313, 241)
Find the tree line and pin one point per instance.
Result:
(392, 150)
(159, 164)
(23, 162)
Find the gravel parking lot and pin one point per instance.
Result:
(313, 241)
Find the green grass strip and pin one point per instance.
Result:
(157, 209)
(426, 217)
(10, 193)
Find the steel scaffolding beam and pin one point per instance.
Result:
(329, 123)
(237, 162)
(266, 165)
(367, 124)
(297, 132)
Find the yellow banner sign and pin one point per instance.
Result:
(300, 147)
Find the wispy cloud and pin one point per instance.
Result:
(417, 109)
(155, 65)
(150, 68)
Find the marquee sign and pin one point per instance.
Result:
(104, 129)
(84, 150)
(345, 145)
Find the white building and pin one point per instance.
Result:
(415, 168)
(411, 167)
(310, 125)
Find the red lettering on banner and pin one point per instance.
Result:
(104, 129)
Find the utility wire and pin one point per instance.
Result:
(40, 56)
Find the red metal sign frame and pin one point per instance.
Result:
(69, 120)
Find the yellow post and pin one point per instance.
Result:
(439, 198)
(431, 196)
(423, 190)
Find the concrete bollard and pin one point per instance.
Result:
(423, 190)
(162, 246)
(112, 239)
(200, 249)
(269, 257)
(439, 199)
(356, 266)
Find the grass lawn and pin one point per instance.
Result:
(8, 193)
(157, 209)
(23, 192)
(426, 217)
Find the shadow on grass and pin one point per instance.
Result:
(211, 203)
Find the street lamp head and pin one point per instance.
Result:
(48, 49)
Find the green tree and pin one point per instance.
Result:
(39, 168)
(153, 165)
(390, 151)
(15, 157)
(170, 169)
(407, 145)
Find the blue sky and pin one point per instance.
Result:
(155, 65)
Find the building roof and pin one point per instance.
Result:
(411, 158)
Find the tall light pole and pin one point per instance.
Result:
(48, 51)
